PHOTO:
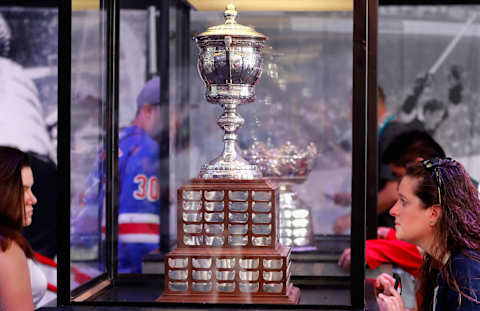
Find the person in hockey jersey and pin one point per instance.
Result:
(139, 187)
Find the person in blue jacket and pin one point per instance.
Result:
(139, 186)
(439, 210)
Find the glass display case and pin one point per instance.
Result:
(135, 128)
(142, 128)
(144, 119)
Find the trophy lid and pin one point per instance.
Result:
(231, 28)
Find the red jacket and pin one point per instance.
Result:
(390, 250)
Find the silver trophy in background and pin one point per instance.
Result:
(288, 165)
(230, 63)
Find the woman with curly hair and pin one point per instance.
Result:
(439, 210)
(21, 282)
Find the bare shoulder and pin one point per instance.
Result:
(12, 261)
(15, 289)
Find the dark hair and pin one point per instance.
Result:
(12, 205)
(409, 146)
(458, 228)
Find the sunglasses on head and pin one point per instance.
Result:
(433, 165)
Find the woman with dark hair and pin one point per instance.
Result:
(439, 210)
(21, 282)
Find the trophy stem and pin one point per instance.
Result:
(230, 164)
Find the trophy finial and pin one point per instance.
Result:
(230, 14)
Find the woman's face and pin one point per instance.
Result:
(29, 199)
(412, 219)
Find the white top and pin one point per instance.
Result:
(22, 124)
(38, 282)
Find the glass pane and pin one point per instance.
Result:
(28, 112)
(87, 251)
(144, 144)
(298, 131)
(428, 67)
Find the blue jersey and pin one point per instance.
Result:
(139, 200)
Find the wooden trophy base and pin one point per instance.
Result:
(228, 249)
(292, 297)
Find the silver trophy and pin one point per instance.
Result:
(230, 63)
(287, 166)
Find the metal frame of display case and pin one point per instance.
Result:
(363, 167)
(63, 147)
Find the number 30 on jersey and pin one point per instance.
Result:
(148, 188)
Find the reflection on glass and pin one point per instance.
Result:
(192, 205)
(225, 275)
(300, 223)
(248, 275)
(273, 287)
(301, 241)
(213, 195)
(177, 262)
(226, 263)
(261, 206)
(202, 263)
(285, 213)
(248, 287)
(201, 275)
(225, 287)
(177, 274)
(285, 232)
(237, 229)
(214, 206)
(286, 241)
(249, 263)
(273, 263)
(213, 228)
(261, 195)
(238, 195)
(301, 213)
(300, 232)
(238, 206)
(178, 286)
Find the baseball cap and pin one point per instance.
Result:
(150, 93)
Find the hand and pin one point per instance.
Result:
(341, 224)
(390, 300)
(382, 232)
(383, 282)
(344, 261)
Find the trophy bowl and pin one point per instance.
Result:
(287, 166)
(230, 63)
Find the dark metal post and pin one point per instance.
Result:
(372, 131)
(359, 153)
(164, 62)
(111, 140)
(63, 151)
